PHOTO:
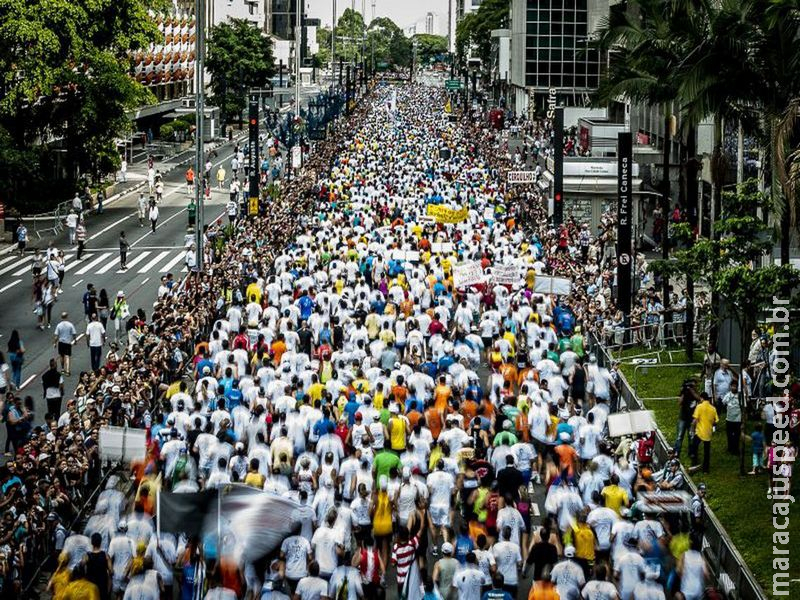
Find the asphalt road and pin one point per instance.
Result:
(150, 256)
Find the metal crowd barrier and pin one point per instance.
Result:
(722, 557)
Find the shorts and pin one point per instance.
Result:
(440, 514)
(64, 349)
(21, 245)
(758, 460)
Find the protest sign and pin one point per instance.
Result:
(122, 444)
(506, 274)
(445, 214)
(630, 423)
(552, 285)
(467, 274)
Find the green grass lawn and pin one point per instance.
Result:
(739, 502)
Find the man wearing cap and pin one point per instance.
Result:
(568, 576)
(444, 572)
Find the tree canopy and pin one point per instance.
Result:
(65, 68)
(390, 44)
(474, 31)
(239, 57)
(429, 47)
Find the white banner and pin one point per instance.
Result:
(122, 444)
(297, 157)
(467, 274)
(630, 423)
(506, 274)
(521, 176)
(440, 247)
(552, 285)
(409, 255)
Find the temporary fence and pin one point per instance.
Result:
(651, 336)
(722, 557)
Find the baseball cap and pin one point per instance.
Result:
(569, 551)
(394, 409)
(447, 548)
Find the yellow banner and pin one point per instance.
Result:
(445, 214)
(253, 206)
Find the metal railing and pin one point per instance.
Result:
(722, 557)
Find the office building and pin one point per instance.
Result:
(551, 50)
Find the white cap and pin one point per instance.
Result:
(569, 551)
(394, 409)
(447, 548)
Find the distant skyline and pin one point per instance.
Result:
(403, 12)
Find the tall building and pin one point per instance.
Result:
(550, 50)
(430, 23)
(283, 17)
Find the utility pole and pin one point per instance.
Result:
(333, 49)
(200, 50)
(298, 31)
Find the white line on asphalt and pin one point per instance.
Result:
(9, 259)
(27, 268)
(145, 280)
(80, 337)
(113, 263)
(172, 262)
(161, 256)
(135, 261)
(21, 261)
(88, 267)
(164, 222)
(76, 263)
(10, 285)
(114, 224)
(27, 381)
(77, 283)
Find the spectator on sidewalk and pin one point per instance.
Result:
(704, 419)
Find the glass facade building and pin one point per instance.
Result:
(557, 49)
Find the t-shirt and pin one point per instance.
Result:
(65, 332)
(311, 588)
(296, 549)
(496, 595)
(615, 497)
(507, 556)
(95, 332)
(468, 582)
(324, 543)
(383, 463)
(706, 416)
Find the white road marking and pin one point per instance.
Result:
(77, 283)
(10, 285)
(27, 381)
(113, 263)
(92, 264)
(161, 256)
(21, 261)
(114, 224)
(135, 261)
(27, 269)
(76, 263)
(14, 256)
(172, 262)
(145, 280)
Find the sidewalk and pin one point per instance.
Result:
(136, 180)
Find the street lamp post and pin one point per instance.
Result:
(200, 49)
(298, 30)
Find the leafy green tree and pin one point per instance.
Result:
(239, 57)
(429, 46)
(389, 42)
(65, 84)
(474, 32)
(728, 263)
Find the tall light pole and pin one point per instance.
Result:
(333, 49)
(199, 50)
(298, 30)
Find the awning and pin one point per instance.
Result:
(589, 184)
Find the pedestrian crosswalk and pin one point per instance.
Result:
(15, 270)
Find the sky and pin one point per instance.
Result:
(403, 12)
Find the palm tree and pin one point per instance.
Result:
(649, 43)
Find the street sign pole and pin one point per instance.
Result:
(252, 130)
(624, 222)
(558, 166)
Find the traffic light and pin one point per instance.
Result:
(558, 197)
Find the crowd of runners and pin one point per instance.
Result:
(436, 441)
